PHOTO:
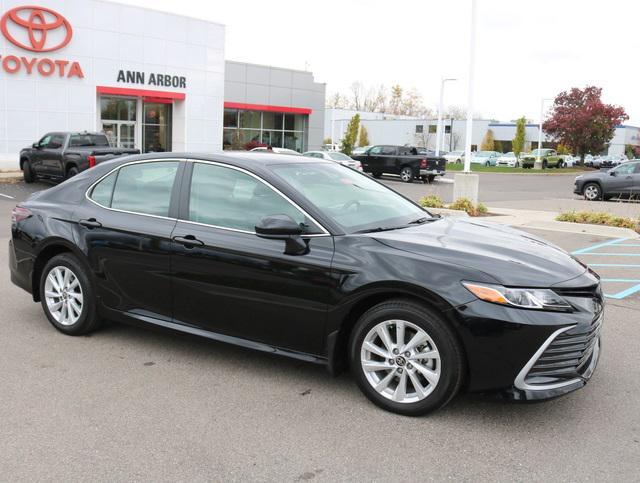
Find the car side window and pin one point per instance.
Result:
(229, 198)
(56, 141)
(388, 150)
(375, 150)
(625, 169)
(45, 140)
(143, 188)
(637, 166)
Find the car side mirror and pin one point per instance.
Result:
(35, 145)
(283, 227)
(613, 173)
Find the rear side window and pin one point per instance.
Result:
(103, 191)
(389, 150)
(139, 188)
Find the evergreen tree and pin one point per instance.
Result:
(350, 137)
(520, 137)
(363, 140)
(488, 142)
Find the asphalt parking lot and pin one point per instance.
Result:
(133, 404)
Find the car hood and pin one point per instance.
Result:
(509, 256)
(594, 175)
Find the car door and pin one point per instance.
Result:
(37, 154)
(390, 161)
(635, 184)
(372, 162)
(229, 281)
(52, 155)
(620, 180)
(125, 228)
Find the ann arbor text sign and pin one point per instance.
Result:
(153, 79)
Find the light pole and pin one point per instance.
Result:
(472, 68)
(466, 184)
(439, 125)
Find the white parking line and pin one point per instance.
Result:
(7, 196)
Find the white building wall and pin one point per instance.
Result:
(108, 37)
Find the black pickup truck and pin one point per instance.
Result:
(61, 155)
(402, 160)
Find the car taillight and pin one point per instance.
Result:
(423, 163)
(19, 213)
(92, 161)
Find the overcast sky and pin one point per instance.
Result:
(525, 51)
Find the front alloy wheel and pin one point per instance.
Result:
(405, 357)
(592, 192)
(400, 361)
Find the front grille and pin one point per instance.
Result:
(566, 357)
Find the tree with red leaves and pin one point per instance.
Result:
(579, 119)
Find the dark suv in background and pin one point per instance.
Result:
(622, 181)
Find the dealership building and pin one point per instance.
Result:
(148, 79)
(405, 130)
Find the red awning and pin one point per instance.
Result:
(262, 107)
(157, 96)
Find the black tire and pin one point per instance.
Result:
(27, 172)
(487, 164)
(431, 177)
(451, 357)
(377, 175)
(88, 320)
(544, 164)
(560, 165)
(592, 192)
(407, 174)
(72, 171)
(458, 161)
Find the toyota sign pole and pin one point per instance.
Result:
(439, 125)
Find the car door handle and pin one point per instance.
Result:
(90, 223)
(189, 241)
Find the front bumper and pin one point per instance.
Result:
(506, 348)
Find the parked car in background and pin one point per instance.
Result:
(359, 150)
(548, 157)
(336, 156)
(486, 158)
(330, 147)
(454, 157)
(401, 160)
(607, 162)
(569, 160)
(588, 160)
(508, 159)
(622, 181)
(61, 155)
(275, 150)
(311, 260)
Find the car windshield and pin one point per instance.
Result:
(509, 155)
(339, 157)
(539, 152)
(352, 200)
(483, 154)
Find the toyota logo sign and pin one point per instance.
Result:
(37, 29)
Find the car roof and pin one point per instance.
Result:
(242, 159)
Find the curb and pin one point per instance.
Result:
(448, 213)
(10, 174)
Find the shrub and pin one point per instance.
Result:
(465, 204)
(599, 218)
(431, 201)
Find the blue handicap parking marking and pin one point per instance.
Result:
(611, 249)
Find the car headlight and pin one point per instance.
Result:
(526, 298)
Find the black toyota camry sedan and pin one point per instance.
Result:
(315, 261)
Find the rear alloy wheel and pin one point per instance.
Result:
(67, 296)
(72, 172)
(544, 164)
(377, 175)
(592, 192)
(27, 172)
(405, 359)
(406, 174)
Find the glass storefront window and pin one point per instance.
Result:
(272, 120)
(230, 118)
(275, 129)
(117, 109)
(250, 119)
(156, 128)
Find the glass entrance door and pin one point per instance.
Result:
(156, 127)
(121, 134)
